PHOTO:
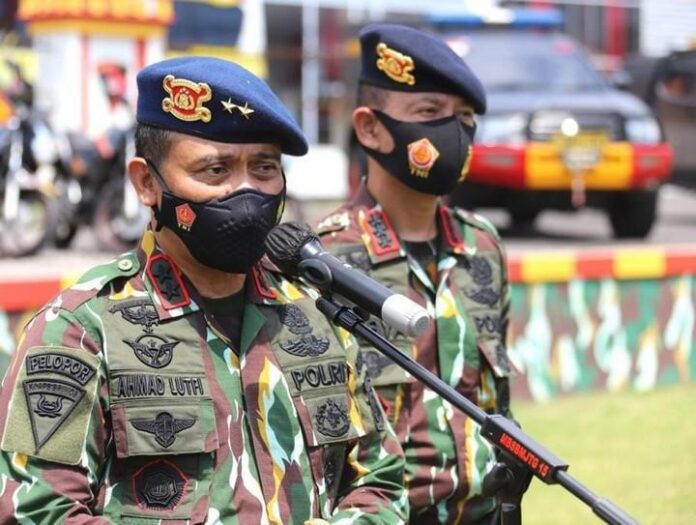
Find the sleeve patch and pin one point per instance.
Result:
(51, 404)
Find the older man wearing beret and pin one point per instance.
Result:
(415, 120)
(185, 382)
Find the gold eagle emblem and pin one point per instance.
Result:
(395, 65)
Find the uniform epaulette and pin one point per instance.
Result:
(97, 277)
(335, 222)
(477, 221)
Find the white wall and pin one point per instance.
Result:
(666, 25)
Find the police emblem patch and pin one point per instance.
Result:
(153, 350)
(50, 403)
(186, 98)
(164, 427)
(395, 65)
(159, 485)
(138, 311)
(480, 271)
(374, 362)
(332, 419)
(297, 322)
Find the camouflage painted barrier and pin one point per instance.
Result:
(613, 320)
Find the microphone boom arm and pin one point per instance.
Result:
(496, 429)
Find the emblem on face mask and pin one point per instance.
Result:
(153, 350)
(467, 165)
(185, 216)
(165, 427)
(332, 419)
(395, 65)
(186, 98)
(421, 157)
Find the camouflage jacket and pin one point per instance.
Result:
(446, 457)
(124, 401)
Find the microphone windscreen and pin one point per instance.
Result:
(284, 242)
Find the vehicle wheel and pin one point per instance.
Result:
(30, 229)
(524, 217)
(115, 232)
(632, 214)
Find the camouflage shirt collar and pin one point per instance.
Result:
(381, 240)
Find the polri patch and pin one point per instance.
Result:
(51, 405)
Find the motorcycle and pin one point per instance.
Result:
(102, 196)
(30, 162)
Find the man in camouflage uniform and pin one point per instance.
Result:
(184, 382)
(415, 120)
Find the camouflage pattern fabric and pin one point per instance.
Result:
(446, 457)
(124, 402)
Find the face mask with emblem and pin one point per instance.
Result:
(227, 233)
(430, 157)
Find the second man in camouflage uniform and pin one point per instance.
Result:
(415, 120)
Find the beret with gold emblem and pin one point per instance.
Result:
(401, 58)
(217, 100)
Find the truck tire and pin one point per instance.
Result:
(632, 214)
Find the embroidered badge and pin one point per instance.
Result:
(185, 216)
(138, 311)
(395, 65)
(481, 271)
(374, 362)
(186, 98)
(165, 427)
(58, 363)
(374, 404)
(50, 403)
(332, 419)
(159, 485)
(166, 282)
(307, 345)
(486, 296)
(153, 350)
(421, 157)
(488, 323)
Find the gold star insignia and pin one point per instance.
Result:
(228, 106)
(246, 110)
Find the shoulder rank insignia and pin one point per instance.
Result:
(165, 427)
(186, 98)
(167, 282)
(421, 157)
(395, 65)
(382, 240)
(450, 231)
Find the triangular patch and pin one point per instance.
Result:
(49, 402)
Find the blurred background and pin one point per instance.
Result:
(585, 161)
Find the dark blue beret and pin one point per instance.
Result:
(401, 58)
(217, 100)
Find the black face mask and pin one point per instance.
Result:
(430, 157)
(227, 233)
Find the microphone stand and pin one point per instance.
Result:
(522, 451)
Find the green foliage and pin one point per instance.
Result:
(636, 449)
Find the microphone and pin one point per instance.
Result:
(297, 251)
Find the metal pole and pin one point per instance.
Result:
(310, 70)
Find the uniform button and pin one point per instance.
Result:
(125, 264)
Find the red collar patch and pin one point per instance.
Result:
(166, 282)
